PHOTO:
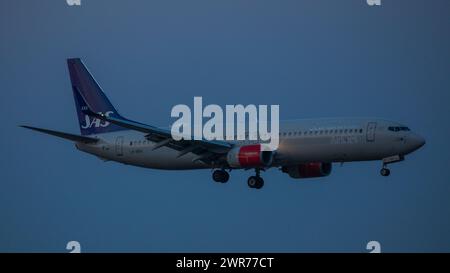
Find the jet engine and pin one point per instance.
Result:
(308, 170)
(249, 156)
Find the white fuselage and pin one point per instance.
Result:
(301, 141)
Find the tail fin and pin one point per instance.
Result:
(83, 84)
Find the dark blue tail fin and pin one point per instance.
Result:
(85, 86)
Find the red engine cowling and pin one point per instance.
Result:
(249, 156)
(308, 170)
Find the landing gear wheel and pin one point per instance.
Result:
(385, 172)
(255, 182)
(226, 177)
(220, 176)
(260, 183)
(252, 181)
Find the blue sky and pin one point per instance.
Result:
(313, 58)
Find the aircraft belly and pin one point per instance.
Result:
(327, 150)
(163, 158)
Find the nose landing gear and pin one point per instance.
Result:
(389, 160)
(385, 171)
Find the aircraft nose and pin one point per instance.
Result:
(415, 141)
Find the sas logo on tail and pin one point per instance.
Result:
(95, 122)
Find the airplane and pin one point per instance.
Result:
(307, 147)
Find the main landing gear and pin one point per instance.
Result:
(255, 182)
(221, 176)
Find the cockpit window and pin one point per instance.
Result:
(398, 128)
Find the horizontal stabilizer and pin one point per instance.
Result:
(76, 138)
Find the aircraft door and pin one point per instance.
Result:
(119, 146)
(371, 127)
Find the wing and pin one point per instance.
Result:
(206, 151)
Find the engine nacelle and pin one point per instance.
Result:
(249, 156)
(308, 170)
